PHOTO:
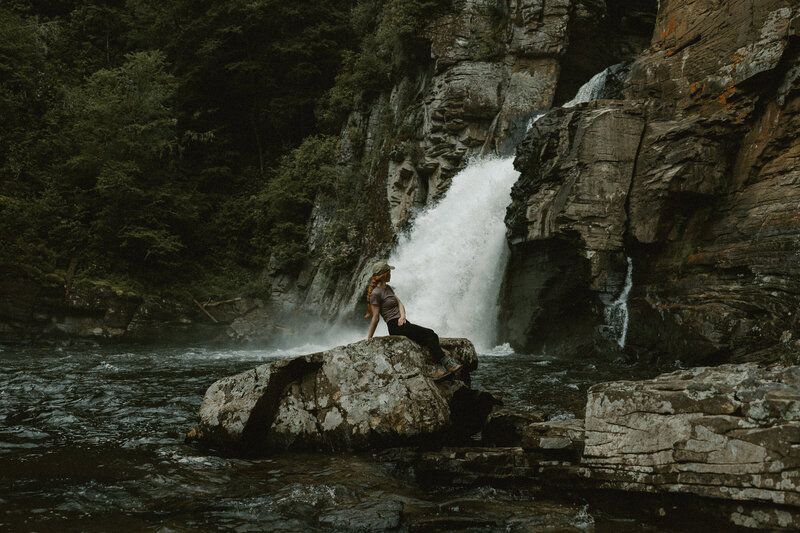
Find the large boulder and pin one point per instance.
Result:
(730, 432)
(371, 393)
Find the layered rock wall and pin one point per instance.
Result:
(694, 176)
(494, 65)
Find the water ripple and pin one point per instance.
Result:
(91, 438)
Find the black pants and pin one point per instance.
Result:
(422, 336)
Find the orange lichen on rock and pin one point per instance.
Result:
(697, 87)
(727, 93)
(671, 28)
(700, 259)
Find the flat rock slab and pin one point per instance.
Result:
(730, 432)
(370, 393)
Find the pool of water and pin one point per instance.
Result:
(91, 439)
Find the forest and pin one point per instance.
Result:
(178, 146)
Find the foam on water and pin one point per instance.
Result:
(501, 350)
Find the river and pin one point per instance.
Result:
(91, 439)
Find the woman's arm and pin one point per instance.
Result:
(376, 315)
(402, 319)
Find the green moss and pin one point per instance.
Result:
(54, 279)
(120, 285)
(491, 41)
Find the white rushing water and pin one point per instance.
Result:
(451, 263)
(616, 314)
(591, 90)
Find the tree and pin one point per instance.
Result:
(124, 142)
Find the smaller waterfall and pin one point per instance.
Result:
(532, 121)
(616, 314)
(591, 90)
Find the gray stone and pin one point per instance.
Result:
(370, 393)
(730, 432)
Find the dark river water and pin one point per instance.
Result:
(91, 439)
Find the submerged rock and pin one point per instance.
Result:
(375, 392)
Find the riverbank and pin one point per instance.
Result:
(725, 436)
(38, 307)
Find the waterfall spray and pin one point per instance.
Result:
(450, 265)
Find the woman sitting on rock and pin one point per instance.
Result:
(381, 299)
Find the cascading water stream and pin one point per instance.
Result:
(591, 90)
(616, 314)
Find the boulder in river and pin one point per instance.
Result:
(728, 433)
(374, 392)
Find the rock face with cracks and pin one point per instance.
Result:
(730, 432)
(687, 187)
(375, 392)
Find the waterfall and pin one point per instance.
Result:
(450, 265)
(591, 90)
(616, 314)
(451, 262)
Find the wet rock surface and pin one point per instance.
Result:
(730, 432)
(367, 394)
(705, 444)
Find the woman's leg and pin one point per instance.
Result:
(420, 335)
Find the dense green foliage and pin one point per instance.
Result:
(185, 142)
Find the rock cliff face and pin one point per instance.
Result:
(494, 65)
(693, 178)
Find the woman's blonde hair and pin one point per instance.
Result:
(374, 281)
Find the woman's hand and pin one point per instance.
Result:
(401, 321)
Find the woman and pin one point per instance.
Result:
(382, 300)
